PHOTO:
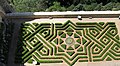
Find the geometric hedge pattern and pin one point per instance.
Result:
(68, 42)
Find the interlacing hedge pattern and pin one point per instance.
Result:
(68, 42)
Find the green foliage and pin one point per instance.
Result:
(78, 40)
(63, 5)
(98, 7)
(79, 32)
(108, 6)
(79, 7)
(84, 41)
(90, 7)
(30, 61)
(69, 33)
(70, 48)
(56, 7)
(56, 41)
(61, 41)
(70, 8)
(80, 49)
(63, 35)
(76, 36)
(64, 46)
(108, 59)
(29, 5)
(76, 46)
(70, 53)
(116, 7)
(60, 50)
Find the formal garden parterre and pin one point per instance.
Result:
(68, 42)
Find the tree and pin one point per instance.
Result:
(116, 7)
(56, 7)
(90, 7)
(79, 7)
(63, 5)
(108, 6)
(70, 8)
(29, 5)
(98, 7)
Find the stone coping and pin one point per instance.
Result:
(67, 14)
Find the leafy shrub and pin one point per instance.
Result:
(56, 7)
(98, 7)
(90, 7)
(79, 7)
(70, 8)
(108, 6)
(116, 7)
